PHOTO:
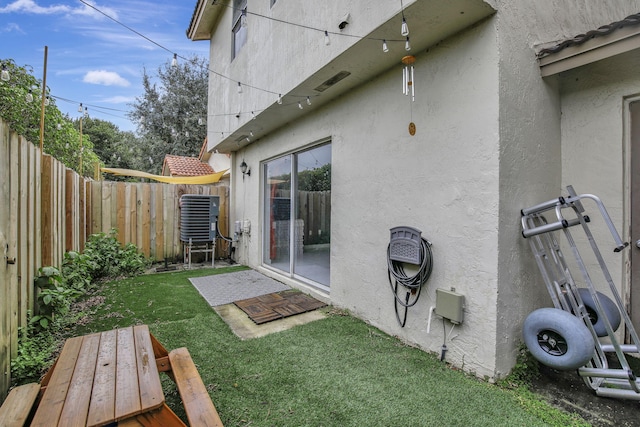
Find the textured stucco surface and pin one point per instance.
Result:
(489, 142)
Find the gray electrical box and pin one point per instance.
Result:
(450, 305)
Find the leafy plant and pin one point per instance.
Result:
(34, 354)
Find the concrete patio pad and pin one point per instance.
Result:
(244, 328)
(221, 290)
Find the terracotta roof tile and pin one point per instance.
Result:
(630, 20)
(185, 166)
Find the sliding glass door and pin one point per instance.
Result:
(297, 214)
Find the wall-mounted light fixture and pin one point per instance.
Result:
(244, 169)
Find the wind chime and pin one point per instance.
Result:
(408, 86)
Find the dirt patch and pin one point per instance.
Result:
(568, 391)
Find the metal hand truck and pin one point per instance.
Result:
(579, 332)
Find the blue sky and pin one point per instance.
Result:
(91, 58)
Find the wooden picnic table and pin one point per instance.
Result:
(112, 378)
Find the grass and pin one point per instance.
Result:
(338, 371)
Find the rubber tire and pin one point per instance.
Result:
(576, 342)
(610, 311)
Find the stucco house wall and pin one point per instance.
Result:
(489, 141)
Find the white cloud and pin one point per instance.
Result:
(12, 27)
(30, 6)
(106, 78)
(119, 100)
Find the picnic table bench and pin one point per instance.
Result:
(112, 378)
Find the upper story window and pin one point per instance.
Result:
(239, 25)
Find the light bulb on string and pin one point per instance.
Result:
(80, 108)
(407, 45)
(239, 87)
(280, 99)
(5, 74)
(308, 101)
(327, 40)
(253, 116)
(47, 101)
(385, 48)
(29, 97)
(86, 112)
(300, 105)
(200, 121)
(404, 29)
(174, 61)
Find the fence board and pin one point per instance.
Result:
(5, 300)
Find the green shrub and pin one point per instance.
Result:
(35, 353)
(103, 258)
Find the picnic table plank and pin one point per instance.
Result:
(76, 408)
(17, 406)
(127, 391)
(195, 397)
(103, 397)
(53, 399)
(151, 395)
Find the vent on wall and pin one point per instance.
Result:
(333, 80)
(198, 217)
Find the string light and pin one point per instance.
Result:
(308, 101)
(300, 105)
(244, 14)
(327, 40)
(47, 101)
(404, 29)
(29, 97)
(80, 108)
(5, 74)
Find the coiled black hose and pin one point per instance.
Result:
(412, 284)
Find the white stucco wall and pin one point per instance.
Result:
(533, 148)
(595, 147)
(443, 180)
(489, 142)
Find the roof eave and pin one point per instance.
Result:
(620, 41)
(204, 19)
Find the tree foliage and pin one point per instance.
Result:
(171, 114)
(61, 138)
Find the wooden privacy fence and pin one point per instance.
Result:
(147, 215)
(47, 210)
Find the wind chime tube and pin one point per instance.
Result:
(413, 86)
(404, 80)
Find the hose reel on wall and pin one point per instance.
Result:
(407, 247)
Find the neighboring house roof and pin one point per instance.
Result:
(604, 42)
(184, 166)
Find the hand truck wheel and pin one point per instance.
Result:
(558, 339)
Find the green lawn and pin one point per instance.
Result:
(338, 371)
